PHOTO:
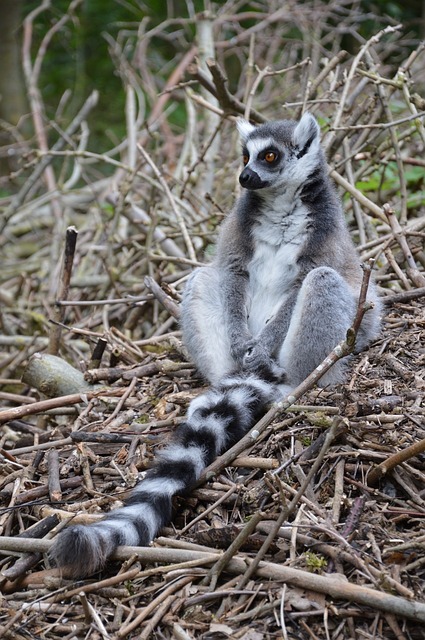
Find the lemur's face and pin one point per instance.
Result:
(279, 154)
(264, 161)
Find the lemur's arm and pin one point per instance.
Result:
(249, 353)
(263, 350)
(232, 258)
(234, 282)
(273, 334)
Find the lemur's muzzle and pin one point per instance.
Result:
(249, 179)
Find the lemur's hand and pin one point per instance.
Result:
(239, 348)
(258, 360)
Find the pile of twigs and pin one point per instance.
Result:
(312, 526)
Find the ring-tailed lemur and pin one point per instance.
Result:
(278, 297)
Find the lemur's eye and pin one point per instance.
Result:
(270, 156)
(245, 159)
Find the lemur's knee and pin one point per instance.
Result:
(325, 281)
(325, 301)
(323, 312)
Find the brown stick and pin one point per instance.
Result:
(417, 278)
(332, 585)
(28, 561)
(63, 289)
(162, 297)
(405, 296)
(98, 352)
(227, 101)
(288, 510)
(53, 403)
(55, 491)
(43, 490)
(394, 460)
(17, 200)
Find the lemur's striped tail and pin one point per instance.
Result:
(215, 421)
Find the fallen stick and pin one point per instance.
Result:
(53, 403)
(331, 585)
(63, 289)
(395, 459)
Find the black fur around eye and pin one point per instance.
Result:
(271, 156)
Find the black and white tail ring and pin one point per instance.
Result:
(215, 421)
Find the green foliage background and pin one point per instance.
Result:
(79, 57)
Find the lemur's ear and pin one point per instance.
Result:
(306, 132)
(244, 128)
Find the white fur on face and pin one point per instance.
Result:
(257, 145)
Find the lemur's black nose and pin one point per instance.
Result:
(249, 179)
(247, 176)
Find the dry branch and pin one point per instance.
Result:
(54, 377)
(162, 297)
(54, 403)
(333, 586)
(393, 461)
(19, 199)
(63, 289)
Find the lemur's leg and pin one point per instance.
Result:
(204, 327)
(324, 310)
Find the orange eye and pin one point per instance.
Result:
(270, 156)
(245, 159)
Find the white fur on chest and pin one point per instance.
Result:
(278, 241)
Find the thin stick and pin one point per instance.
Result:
(417, 278)
(329, 585)
(354, 66)
(360, 197)
(163, 596)
(17, 200)
(394, 460)
(287, 511)
(167, 302)
(242, 537)
(171, 200)
(55, 491)
(63, 289)
(53, 403)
